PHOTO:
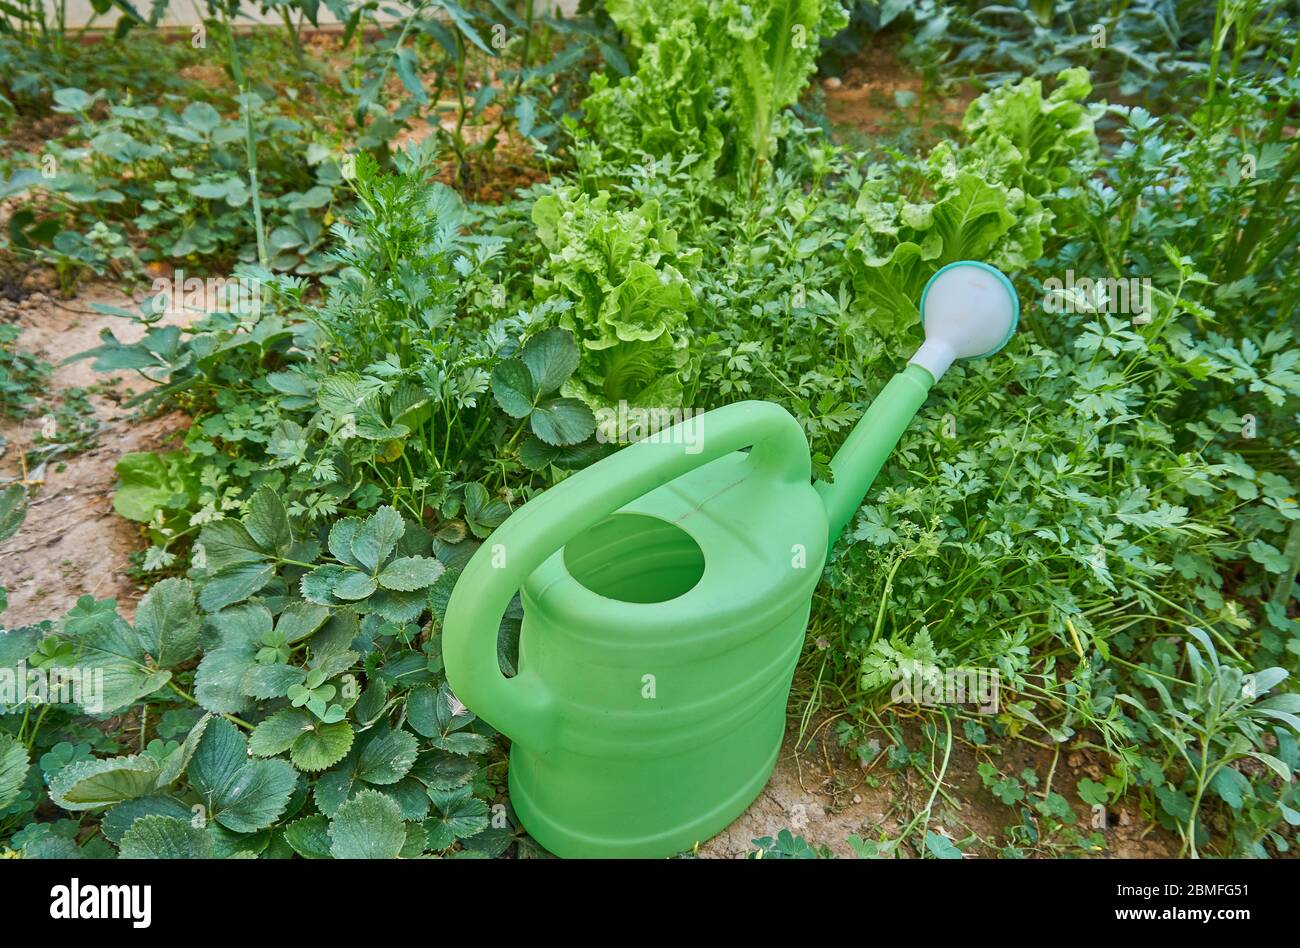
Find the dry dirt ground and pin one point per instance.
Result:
(821, 793)
(879, 96)
(71, 543)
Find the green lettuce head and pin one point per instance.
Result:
(622, 269)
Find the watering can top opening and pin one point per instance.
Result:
(718, 553)
(969, 310)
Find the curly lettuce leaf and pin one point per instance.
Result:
(1042, 145)
(669, 106)
(708, 72)
(622, 270)
(775, 50)
(966, 224)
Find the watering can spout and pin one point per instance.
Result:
(968, 310)
(871, 441)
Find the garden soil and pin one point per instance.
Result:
(879, 96)
(71, 543)
(822, 793)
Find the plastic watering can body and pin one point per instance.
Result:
(667, 636)
(666, 592)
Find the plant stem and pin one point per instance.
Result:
(295, 39)
(924, 816)
(192, 700)
(250, 141)
(488, 145)
(1282, 590)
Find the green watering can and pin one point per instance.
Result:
(666, 591)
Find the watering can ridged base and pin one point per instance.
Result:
(666, 592)
(698, 825)
(690, 816)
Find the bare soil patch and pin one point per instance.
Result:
(826, 796)
(879, 96)
(72, 543)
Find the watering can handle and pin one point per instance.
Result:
(520, 707)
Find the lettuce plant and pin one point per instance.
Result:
(622, 269)
(671, 105)
(990, 198)
(711, 78)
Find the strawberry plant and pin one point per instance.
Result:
(176, 178)
(322, 724)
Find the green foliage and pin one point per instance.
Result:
(22, 375)
(711, 78)
(1214, 723)
(669, 106)
(785, 846)
(178, 179)
(13, 510)
(1072, 514)
(36, 56)
(154, 489)
(351, 718)
(123, 663)
(990, 198)
(246, 172)
(13, 769)
(1146, 48)
(524, 385)
(621, 271)
(369, 573)
(379, 393)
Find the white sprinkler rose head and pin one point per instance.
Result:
(968, 310)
